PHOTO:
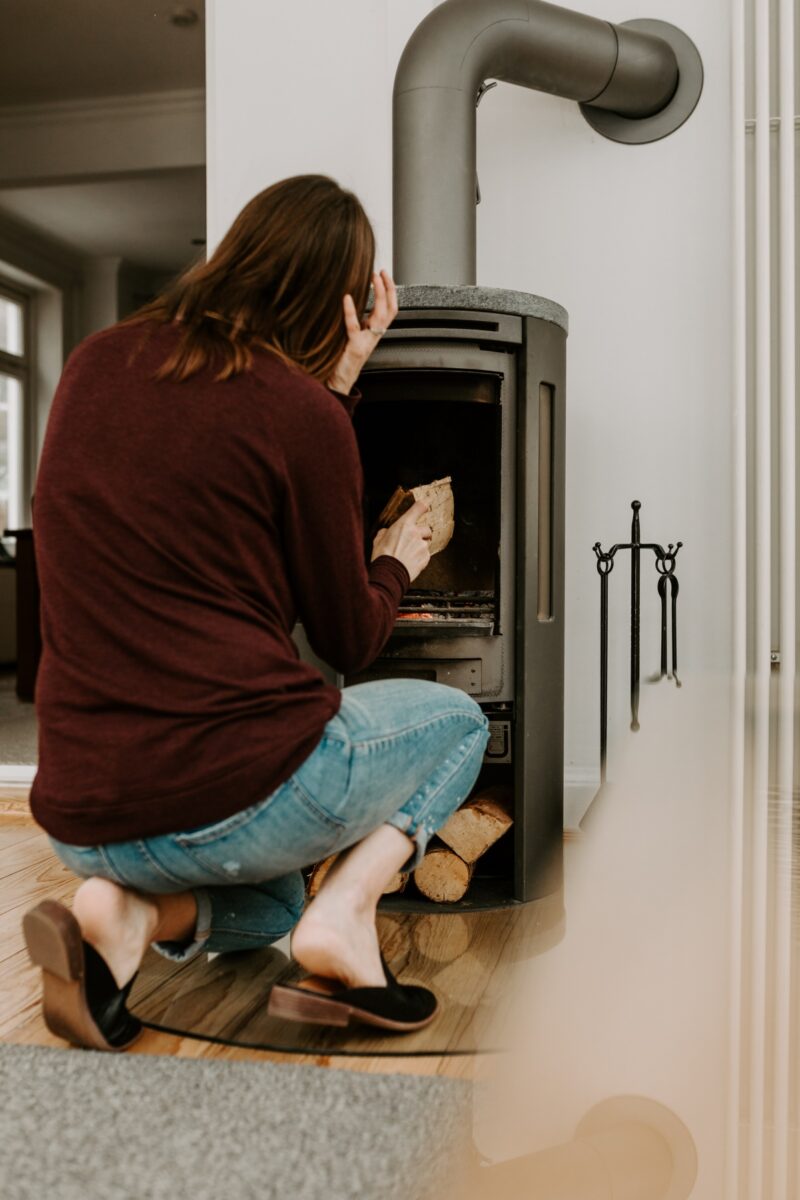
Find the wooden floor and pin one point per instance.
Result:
(29, 871)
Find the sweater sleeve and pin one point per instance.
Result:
(347, 608)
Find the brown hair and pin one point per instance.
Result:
(276, 280)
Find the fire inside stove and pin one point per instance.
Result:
(454, 614)
(415, 426)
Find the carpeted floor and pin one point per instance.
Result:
(18, 730)
(81, 1125)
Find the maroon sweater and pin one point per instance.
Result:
(180, 531)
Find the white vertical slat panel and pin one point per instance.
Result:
(731, 1184)
(759, 827)
(763, 1158)
(783, 933)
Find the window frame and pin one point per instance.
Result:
(21, 367)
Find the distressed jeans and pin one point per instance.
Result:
(405, 752)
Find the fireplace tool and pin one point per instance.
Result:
(667, 581)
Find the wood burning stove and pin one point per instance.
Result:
(469, 382)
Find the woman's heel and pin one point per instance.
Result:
(397, 1006)
(53, 937)
(296, 1004)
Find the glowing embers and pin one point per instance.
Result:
(446, 614)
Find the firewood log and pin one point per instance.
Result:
(399, 502)
(479, 823)
(440, 517)
(396, 884)
(318, 873)
(442, 875)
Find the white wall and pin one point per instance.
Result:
(305, 87)
(634, 241)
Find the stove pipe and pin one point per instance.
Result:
(636, 82)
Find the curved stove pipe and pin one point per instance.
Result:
(635, 82)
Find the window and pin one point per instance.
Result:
(15, 358)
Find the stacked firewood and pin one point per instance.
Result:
(445, 872)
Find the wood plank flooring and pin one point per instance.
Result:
(29, 871)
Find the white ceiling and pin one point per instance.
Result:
(149, 221)
(68, 49)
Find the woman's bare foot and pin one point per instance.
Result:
(336, 938)
(118, 922)
(336, 935)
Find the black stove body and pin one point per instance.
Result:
(470, 382)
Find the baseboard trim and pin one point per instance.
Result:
(17, 773)
(581, 785)
(581, 777)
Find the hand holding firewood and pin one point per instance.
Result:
(407, 539)
(438, 495)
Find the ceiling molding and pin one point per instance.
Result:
(188, 101)
(116, 135)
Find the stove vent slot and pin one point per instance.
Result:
(444, 323)
(427, 323)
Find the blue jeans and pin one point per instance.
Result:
(400, 751)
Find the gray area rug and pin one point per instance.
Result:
(82, 1125)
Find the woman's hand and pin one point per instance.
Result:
(407, 540)
(362, 339)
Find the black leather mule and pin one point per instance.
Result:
(399, 1007)
(80, 997)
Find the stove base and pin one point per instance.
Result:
(483, 895)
